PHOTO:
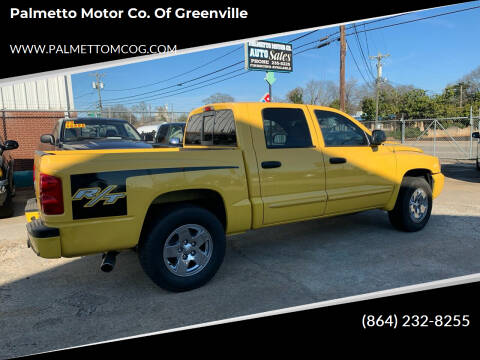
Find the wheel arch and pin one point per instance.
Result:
(417, 172)
(420, 172)
(208, 199)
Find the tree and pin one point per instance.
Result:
(320, 92)
(182, 118)
(218, 98)
(120, 112)
(144, 113)
(352, 96)
(295, 96)
(416, 104)
(368, 108)
(335, 104)
(326, 93)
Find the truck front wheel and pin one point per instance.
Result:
(184, 249)
(414, 205)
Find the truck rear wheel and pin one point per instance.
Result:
(414, 205)
(184, 249)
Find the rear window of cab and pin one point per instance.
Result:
(215, 127)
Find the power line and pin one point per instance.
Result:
(302, 36)
(366, 41)
(185, 91)
(369, 70)
(415, 20)
(175, 85)
(179, 75)
(176, 91)
(356, 64)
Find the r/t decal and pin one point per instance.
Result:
(96, 195)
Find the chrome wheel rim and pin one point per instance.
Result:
(418, 205)
(188, 250)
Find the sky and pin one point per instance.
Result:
(428, 54)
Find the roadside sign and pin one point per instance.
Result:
(270, 78)
(265, 98)
(268, 56)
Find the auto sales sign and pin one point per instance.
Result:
(268, 56)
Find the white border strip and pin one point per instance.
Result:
(136, 59)
(368, 296)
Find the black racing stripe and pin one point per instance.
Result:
(119, 178)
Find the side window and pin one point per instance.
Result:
(285, 128)
(211, 128)
(337, 130)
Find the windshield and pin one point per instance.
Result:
(76, 130)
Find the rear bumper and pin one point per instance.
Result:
(31, 210)
(438, 181)
(44, 240)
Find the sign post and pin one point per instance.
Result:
(269, 56)
(270, 79)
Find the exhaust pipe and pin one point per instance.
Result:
(108, 262)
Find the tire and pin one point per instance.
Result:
(478, 165)
(175, 265)
(414, 205)
(6, 210)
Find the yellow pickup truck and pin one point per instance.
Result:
(242, 166)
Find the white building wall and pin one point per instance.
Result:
(54, 93)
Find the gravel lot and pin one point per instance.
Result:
(51, 304)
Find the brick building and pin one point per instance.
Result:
(30, 109)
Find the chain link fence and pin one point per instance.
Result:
(448, 138)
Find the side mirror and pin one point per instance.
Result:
(47, 139)
(174, 141)
(476, 135)
(10, 145)
(378, 137)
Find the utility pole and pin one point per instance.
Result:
(97, 84)
(379, 79)
(342, 67)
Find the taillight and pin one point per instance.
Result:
(51, 195)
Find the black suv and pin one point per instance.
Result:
(476, 135)
(93, 133)
(7, 185)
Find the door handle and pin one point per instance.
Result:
(337, 160)
(271, 164)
